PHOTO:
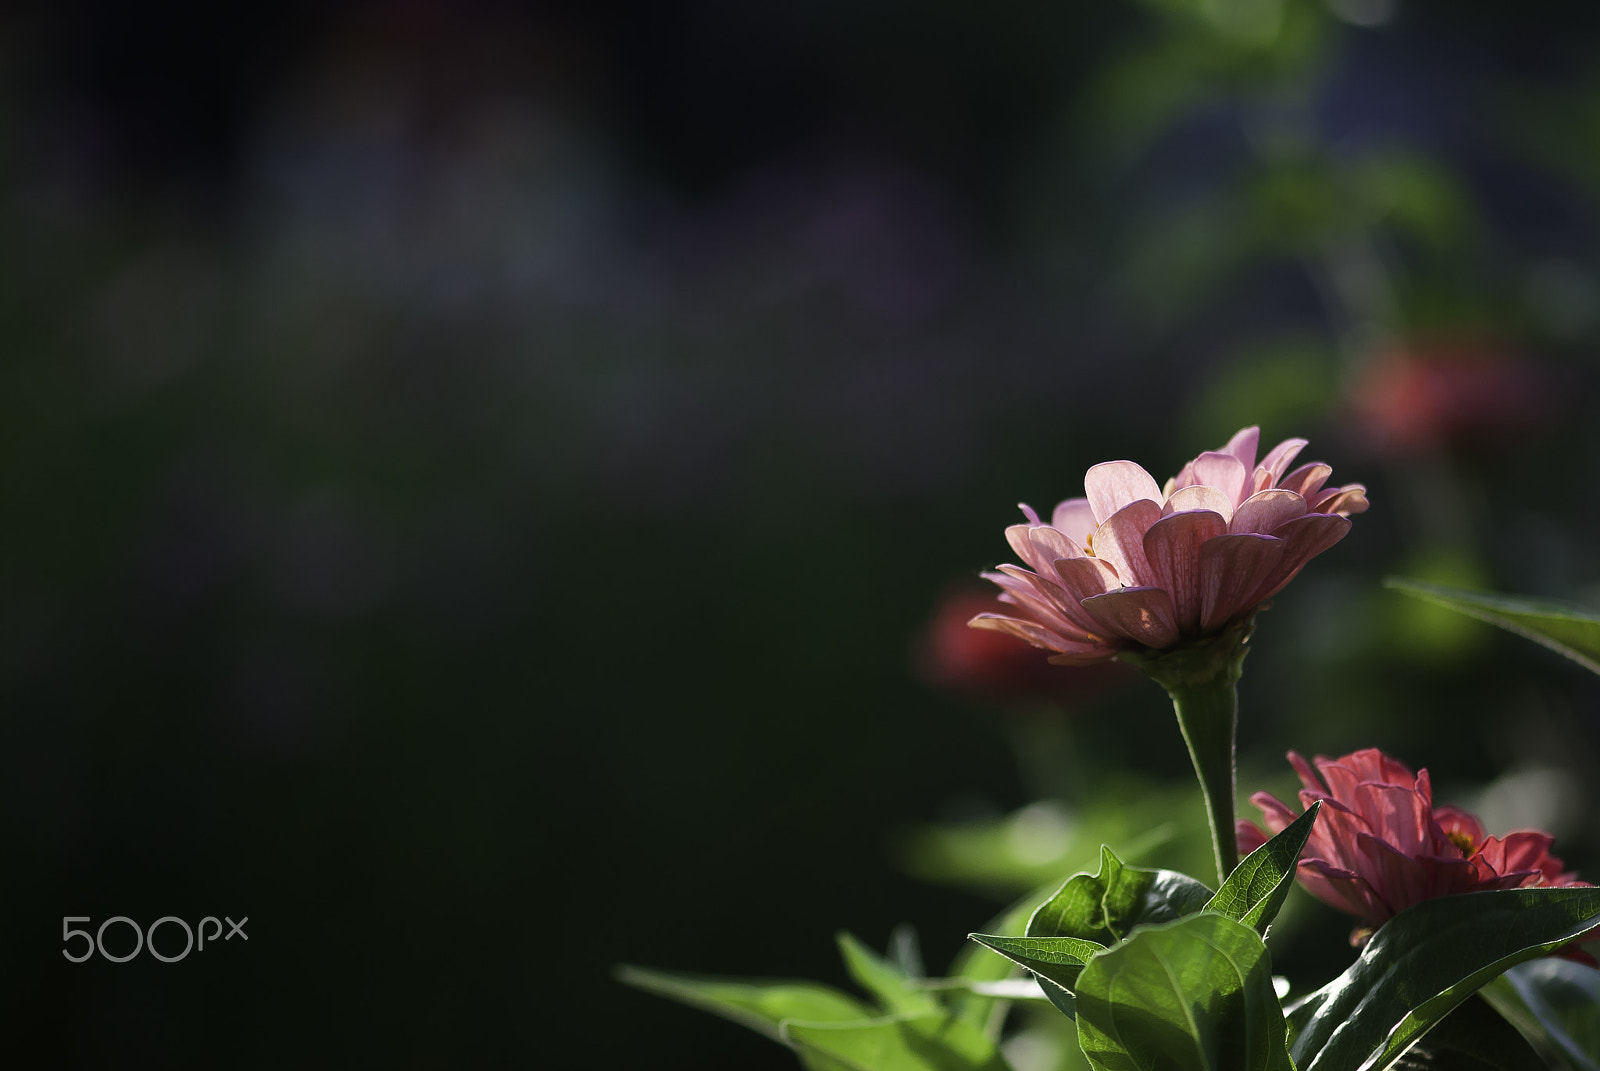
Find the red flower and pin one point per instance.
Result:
(1379, 846)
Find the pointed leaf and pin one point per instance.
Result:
(760, 1005)
(932, 1042)
(1425, 961)
(1057, 961)
(1196, 993)
(1556, 1003)
(885, 980)
(976, 963)
(1103, 907)
(1255, 891)
(1569, 630)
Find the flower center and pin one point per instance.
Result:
(1462, 841)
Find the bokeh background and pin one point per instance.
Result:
(481, 481)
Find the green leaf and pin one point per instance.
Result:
(1472, 1038)
(763, 1006)
(1569, 630)
(884, 979)
(1196, 993)
(1255, 891)
(1103, 907)
(931, 1042)
(1425, 961)
(1056, 960)
(1556, 1003)
(977, 963)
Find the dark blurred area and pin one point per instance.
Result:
(476, 475)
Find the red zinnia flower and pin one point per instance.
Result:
(1380, 845)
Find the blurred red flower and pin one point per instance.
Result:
(1428, 394)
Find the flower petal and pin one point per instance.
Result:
(1343, 500)
(1224, 472)
(1119, 541)
(1265, 511)
(1111, 485)
(1233, 568)
(1074, 518)
(1276, 463)
(1143, 615)
(1035, 634)
(1172, 549)
(1243, 445)
(1304, 539)
(1307, 480)
(1199, 496)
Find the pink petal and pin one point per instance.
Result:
(1022, 630)
(1233, 569)
(1074, 518)
(1172, 549)
(1276, 463)
(1224, 472)
(1051, 544)
(1264, 511)
(1143, 615)
(1304, 539)
(1043, 600)
(1243, 446)
(1454, 823)
(1111, 485)
(1028, 512)
(1343, 890)
(1048, 602)
(1184, 478)
(1274, 812)
(1084, 578)
(1344, 500)
(1119, 541)
(1307, 480)
(1247, 836)
(1199, 496)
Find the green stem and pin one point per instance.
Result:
(1202, 678)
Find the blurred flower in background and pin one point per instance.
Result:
(1432, 394)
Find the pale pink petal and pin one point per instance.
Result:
(1017, 536)
(1274, 812)
(1303, 540)
(1199, 496)
(1111, 485)
(1243, 445)
(1224, 472)
(1119, 541)
(1042, 600)
(1028, 512)
(1051, 544)
(1172, 549)
(1143, 615)
(1084, 578)
(1341, 500)
(1184, 478)
(1307, 480)
(1276, 463)
(1074, 519)
(1022, 630)
(1308, 773)
(1264, 511)
(1233, 568)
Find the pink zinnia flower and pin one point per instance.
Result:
(1134, 565)
(1380, 845)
